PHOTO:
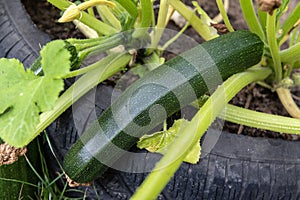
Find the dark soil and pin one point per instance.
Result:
(253, 97)
(45, 16)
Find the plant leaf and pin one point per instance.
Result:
(159, 142)
(24, 95)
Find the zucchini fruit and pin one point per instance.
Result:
(172, 86)
(17, 180)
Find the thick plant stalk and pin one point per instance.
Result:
(288, 102)
(291, 54)
(108, 16)
(251, 18)
(224, 15)
(274, 48)
(171, 161)
(202, 28)
(291, 22)
(161, 22)
(260, 120)
(146, 19)
(219, 17)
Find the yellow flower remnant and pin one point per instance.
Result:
(74, 11)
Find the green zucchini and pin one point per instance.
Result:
(17, 180)
(173, 85)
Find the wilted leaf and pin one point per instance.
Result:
(159, 142)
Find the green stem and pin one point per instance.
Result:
(274, 49)
(294, 37)
(251, 18)
(130, 7)
(291, 54)
(224, 15)
(107, 67)
(161, 22)
(262, 16)
(288, 102)
(108, 16)
(188, 137)
(260, 120)
(87, 19)
(202, 28)
(173, 39)
(109, 43)
(146, 19)
(219, 17)
(147, 13)
(82, 44)
(290, 21)
(82, 71)
(97, 25)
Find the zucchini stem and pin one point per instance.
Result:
(130, 7)
(108, 17)
(146, 19)
(291, 54)
(202, 28)
(260, 120)
(161, 22)
(224, 15)
(274, 49)
(251, 18)
(219, 17)
(173, 39)
(288, 102)
(290, 23)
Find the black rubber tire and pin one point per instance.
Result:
(19, 37)
(238, 167)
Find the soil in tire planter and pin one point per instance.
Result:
(45, 16)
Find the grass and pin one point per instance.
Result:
(48, 186)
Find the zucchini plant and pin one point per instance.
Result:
(119, 29)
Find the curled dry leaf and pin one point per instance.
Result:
(72, 183)
(10, 154)
(269, 5)
(221, 28)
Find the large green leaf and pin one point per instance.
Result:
(24, 95)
